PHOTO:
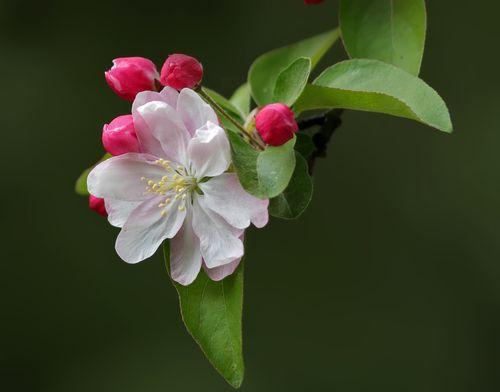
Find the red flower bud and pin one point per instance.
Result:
(313, 1)
(180, 71)
(119, 137)
(276, 124)
(130, 75)
(97, 205)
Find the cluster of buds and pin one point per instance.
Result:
(274, 123)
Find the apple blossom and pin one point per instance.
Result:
(177, 187)
(276, 124)
(118, 137)
(180, 71)
(130, 75)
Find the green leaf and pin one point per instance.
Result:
(304, 145)
(229, 107)
(265, 70)
(242, 99)
(374, 86)
(81, 182)
(292, 81)
(264, 174)
(212, 314)
(388, 30)
(296, 197)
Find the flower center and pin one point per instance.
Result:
(177, 183)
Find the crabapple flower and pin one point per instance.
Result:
(276, 124)
(177, 187)
(180, 71)
(97, 204)
(118, 137)
(130, 75)
(313, 1)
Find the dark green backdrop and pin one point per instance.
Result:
(390, 282)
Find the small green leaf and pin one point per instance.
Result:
(265, 70)
(292, 81)
(374, 86)
(81, 182)
(296, 197)
(229, 107)
(263, 174)
(388, 30)
(212, 313)
(242, 99)
(304, 145)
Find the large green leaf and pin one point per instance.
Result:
(296, 197)
(374, 86)
(264, 174)
(212, 314)
(388, 30)
(292, 81)
(241, 99)
(81, 182)
(265, 70)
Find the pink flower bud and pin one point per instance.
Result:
(180, 71)
(276, 124)
(97, 205)
(119, 137)
(130, 75)
(313, 1)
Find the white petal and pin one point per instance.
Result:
(209, 152)
(219, 273)
(225, 196)
(219, 242)
(194, 111)
(167, 95)
(185, 256)
(146, 229)
(148, 142)
(119, 210)
(165, 125)
(120, 177)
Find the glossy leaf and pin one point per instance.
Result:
(388, 30)
(264, 174)
(242, 99)
(212, 314)
(266, 69)
(292, 81)
(81, 182)
(296, 197)
(227, 105)
(374, 86)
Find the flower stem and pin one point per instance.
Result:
(248, 135)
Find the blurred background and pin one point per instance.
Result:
(389, 282)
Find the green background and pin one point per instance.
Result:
(390, 282)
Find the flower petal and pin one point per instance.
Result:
(119, 210)
(120, 177)
(194, 111)
(225, 196)
(146, 229)
(209, 152)
(219, 273)
(167, 95)
(219, 242)
(185, 256)
(148, 142)
(166, 126)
